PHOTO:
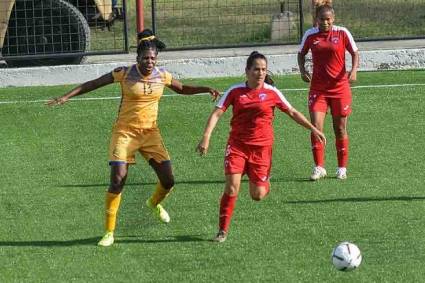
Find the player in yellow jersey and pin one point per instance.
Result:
(135, 129)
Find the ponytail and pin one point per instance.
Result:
(269, 80)
(147, 40)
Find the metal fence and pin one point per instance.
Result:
(39, 32)
(218, 23)
(221, 23)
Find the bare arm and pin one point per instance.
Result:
(302, 120)
(83, 88)
(305, 75)
(180, 88)
(355, 66)
(203, 145)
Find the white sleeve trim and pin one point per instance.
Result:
(279, 94)
(220, 103)
(306, 35)
(350, 38)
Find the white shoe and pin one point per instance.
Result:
(220, 237)
(106, 240)
(341, 173)
(318, 173)
(158, 211)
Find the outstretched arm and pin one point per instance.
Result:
(83, 88)
(180, 88)
(203, 145)
(302, 120)
(305, 75)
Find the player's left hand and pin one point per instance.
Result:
(319, 135)
(214, 93)
(352, 76)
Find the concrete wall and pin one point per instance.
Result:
(204, 67)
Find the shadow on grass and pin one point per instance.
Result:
(143, 184)
(358, 199)
(93, 241)
(194, 182)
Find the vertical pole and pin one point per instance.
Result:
(139, 16)
(124, 10)
(301, 19)
(154, 16)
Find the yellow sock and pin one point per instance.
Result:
(112, 205)
(159, 194)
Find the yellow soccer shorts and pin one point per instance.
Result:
(126, 142)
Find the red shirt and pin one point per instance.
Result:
(328, 51)
(253, 113)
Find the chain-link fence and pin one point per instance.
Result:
(39, 32)
(36, 32)
(219, 23)
(382, 19)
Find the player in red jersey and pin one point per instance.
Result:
(249, 147)
(330, 84)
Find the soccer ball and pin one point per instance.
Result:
(346, 256)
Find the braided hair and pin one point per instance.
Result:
(250, 61)
(147, 40)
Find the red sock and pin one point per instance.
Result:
(342, 151)
(318, 149)
(227, 204)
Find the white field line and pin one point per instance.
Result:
(175, 94)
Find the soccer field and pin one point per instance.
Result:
(55, 173)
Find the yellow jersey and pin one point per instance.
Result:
(140, 96)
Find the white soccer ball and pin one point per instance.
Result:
(346, 256)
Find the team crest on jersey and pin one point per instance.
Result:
(335, 40)
(262, 96)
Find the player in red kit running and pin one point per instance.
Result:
(249, 147)
(330, 85)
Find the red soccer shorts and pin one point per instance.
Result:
(253, 160)
(340, 106)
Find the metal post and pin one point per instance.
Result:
(139, 16)
(301, 19)
(124, 10)
(154, 16)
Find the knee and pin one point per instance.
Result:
(258, 195)
(117, 184)
(340, 132)
(231, 190)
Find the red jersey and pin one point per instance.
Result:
(328, 51)
(253, 113)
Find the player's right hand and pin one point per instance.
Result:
(305, 76)
(202, 147)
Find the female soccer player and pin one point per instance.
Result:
(136, 128)
(249, 147)
(329, 85)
